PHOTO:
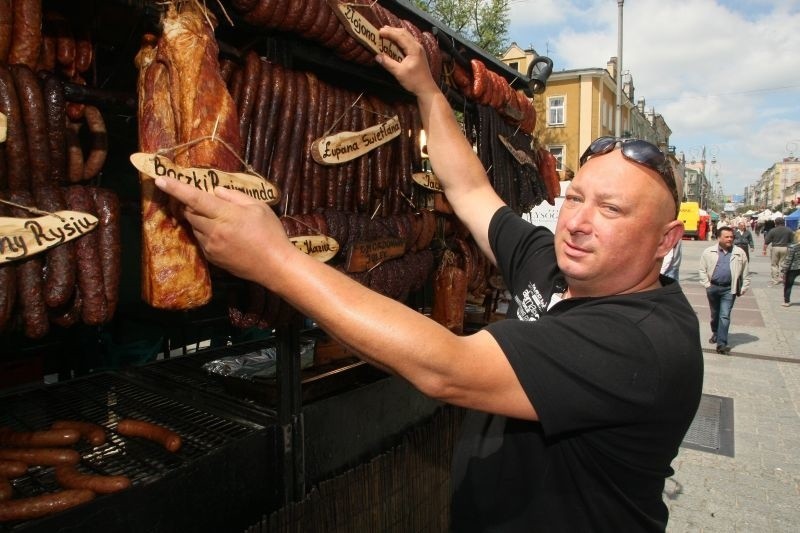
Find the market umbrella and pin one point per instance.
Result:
(793, 219)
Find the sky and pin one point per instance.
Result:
(724, 74)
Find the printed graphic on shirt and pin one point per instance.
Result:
(531, 305)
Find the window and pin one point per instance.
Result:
(514, 65)
(558, 153)
(555, 110)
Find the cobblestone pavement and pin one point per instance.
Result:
(758, 489)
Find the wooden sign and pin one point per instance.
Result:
(368, 254)
(320, 247)
(362, 29)
(348, 145)
(522, 157)
(428, 180)
(3, 127)
(512, 112)
(24, 237)
(206, 179)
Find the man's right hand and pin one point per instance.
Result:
(452, 158)
(235, 232)
(412, 72)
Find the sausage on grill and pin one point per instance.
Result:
(41, 456)
(38, 439)
(70, 477)
(92, 433)
(43, 504)
(148, 430)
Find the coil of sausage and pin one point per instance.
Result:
(32, 110)
(8, 284)
(110, 248)
(60, 261)
(6, 22)
(94, 309)
(26, 32)
(16, 145)
(30, 289)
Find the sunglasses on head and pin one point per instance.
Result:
(638, 151)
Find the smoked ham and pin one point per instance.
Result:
(201, 103)
(449, 294)
(182, 101)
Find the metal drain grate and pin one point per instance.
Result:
(712, 428)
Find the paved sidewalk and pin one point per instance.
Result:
(758, 489)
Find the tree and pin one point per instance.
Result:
(483, 22)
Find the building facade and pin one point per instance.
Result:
(579, 106)
(778, 189)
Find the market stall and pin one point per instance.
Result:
(214, 404)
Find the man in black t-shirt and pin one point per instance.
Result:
(579, 400)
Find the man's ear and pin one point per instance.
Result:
(672, 234)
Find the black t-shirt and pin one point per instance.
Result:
(616, 382)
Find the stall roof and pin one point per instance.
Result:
(792, 219)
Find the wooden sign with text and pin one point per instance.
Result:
(521, 156)
(24, 237)
(368, 254)
(206, 179)
(428, 180)
(320, 247)
(348, 145)
(362, 29)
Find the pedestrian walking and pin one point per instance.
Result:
(671, 264)
(725, 273)
(779, 238)
(791, 268)
(743, 238)
(769, 223)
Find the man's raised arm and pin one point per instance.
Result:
(452, 158)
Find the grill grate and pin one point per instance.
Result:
(712, 428)
(104, 399)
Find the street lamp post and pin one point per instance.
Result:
(618, 116)
(791, 147)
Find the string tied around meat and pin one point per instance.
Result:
(32, 210)
(213, 137)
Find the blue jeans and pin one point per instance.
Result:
(720, 301)
(788, 281)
